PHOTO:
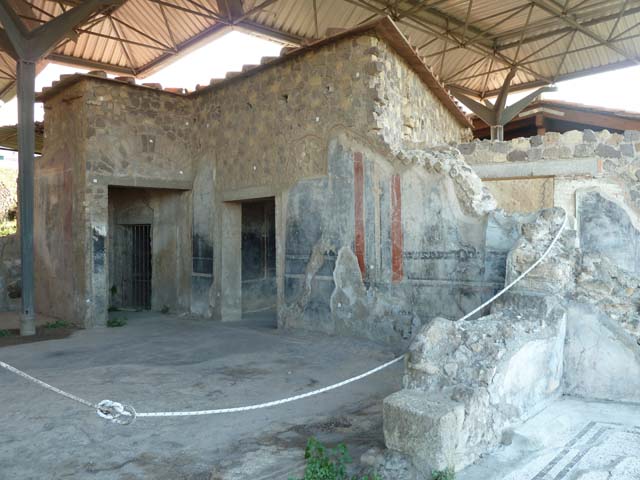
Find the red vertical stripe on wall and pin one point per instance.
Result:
(358, 197)
(396, 229)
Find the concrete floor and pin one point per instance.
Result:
(161, 362)
(570, 440)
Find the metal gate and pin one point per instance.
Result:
(140, 236)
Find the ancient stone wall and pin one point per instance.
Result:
(570, 326)
(259, 135)
(99, 134)
(549, 169)
(311, 100)
(61, 232)
(467, 382)
(407, 115)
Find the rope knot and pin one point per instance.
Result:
(116, 412)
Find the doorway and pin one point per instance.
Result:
(138, 291)
(132, 282)
(148, 249)
(258, 252)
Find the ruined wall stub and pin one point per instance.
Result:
(594, 178)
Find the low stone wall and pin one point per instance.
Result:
(526, 174)
(594, 176)
(553, 146)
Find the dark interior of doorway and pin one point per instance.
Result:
(259, 291)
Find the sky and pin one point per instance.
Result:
(617, 89)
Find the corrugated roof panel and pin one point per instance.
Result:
(148, 32)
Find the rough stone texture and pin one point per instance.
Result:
(611, 289)
(424, 428)
(8, 202)
(617, 157)
(466, 382)
(401, 103)
(556, 273)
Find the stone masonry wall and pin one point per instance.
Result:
(61, 234)
(363, 255)
(99, 134)
(312, 100)
(407, 115)
(550, 168)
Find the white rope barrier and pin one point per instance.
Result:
(125, 414)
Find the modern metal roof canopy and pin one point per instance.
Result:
(471, 45)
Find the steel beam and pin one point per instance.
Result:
(26, 76)
(28, 47)
(498, 114)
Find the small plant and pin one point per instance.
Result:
(6, 333)
(328, 463)
(8, 227)
(117, 322)
(58, 324)
(446, 474)
(164, 309)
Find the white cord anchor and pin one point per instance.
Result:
(116, 412)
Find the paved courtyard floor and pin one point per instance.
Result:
(161, 362)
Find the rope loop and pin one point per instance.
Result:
(116, 412)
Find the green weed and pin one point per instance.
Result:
(8, 227)
(328, 463)
(117, 322)
(58, 324)
(446, 474)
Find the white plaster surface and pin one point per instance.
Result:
(570, 440)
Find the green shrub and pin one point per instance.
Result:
(117, 322)
(328, 464)
(58, 324)
(446, 474)
(6, 333)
